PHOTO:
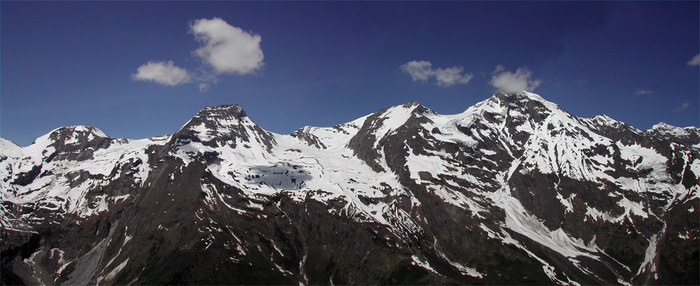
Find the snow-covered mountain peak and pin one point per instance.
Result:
(604, 121)
(75, 142)
(669, 129)
(228, 110)
(71, 134)
(373, 126)
(531, 95)
(522, 97)
(218, 117)
(224, 125)
(76, 133)
(415, 107)
(518, 114)
(404, 110)
(523, 102)
(663, 126)
(689, 135)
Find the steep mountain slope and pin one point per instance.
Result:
(513, 190)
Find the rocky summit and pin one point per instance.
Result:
(514, 190)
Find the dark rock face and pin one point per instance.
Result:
(26, 178)
(512, 191)
(76, 143)
(303, 134)
(363, 142)
(678, 261)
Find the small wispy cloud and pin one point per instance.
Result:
(224, 49)
(695, 61)
(643, 92)
(510, 82)
(444, 77)
(165, 73)
(682, 107)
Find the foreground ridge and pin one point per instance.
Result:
(512, 190)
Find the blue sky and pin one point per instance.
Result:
(323, 63)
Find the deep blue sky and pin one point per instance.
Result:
(325, 63)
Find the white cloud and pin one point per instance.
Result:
(510, 82)
(451, 75)
(226, 48)
(643, 92)
(419, 70)
(682, 107)
(422, 71)
(165, 73)
(695, 61)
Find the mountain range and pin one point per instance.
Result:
(514, 190)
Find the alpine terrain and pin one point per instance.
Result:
(514, 190)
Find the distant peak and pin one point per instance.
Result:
(222, 125)
(228, 110)
(412, 107)
(602, 118)
(219, 117)
(604, 121)
(521, 99)
(76, 131)
(531, 95)
(663, 126)
(519, 95)
(224, 107)
(669, 130)
(412, 104)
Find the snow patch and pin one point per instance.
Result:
(423, 264)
